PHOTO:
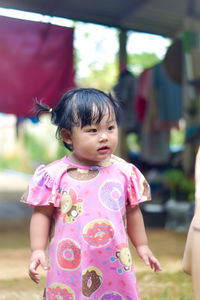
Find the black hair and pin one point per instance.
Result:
(76, 108)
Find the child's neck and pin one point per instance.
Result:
(73, 158)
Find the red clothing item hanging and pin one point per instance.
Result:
(36, 61)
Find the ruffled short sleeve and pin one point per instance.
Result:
(42, 190)
(138, 188)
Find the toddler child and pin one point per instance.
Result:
(85, 204)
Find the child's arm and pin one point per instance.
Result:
(191, 259)
(137, 234)
(186, 264)
(39, 233)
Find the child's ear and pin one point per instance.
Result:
(66, 136)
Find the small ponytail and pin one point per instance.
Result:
(39, 107)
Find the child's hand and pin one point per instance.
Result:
(38, 257)
(149, 259)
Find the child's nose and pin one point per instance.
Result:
(103, 137)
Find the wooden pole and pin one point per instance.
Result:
(122, 48)
(122, 149)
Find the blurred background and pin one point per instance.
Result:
(144, 52)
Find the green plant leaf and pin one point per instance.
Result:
(164, 295)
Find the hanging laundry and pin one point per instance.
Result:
(125, 92)
(169, 97)
(36, 62)
(159, 107)
(144, 84)
(154, 141)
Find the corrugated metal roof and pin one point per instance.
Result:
(164, 17)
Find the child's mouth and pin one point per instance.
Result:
(103, 149)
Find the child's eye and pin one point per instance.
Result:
(92, 130)
(111, 127)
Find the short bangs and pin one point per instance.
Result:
(89, 109)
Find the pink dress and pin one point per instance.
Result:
(89, 256)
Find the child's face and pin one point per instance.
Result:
(96, 142)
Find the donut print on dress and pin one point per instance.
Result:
(111, 195)
(98, 233)
(71, 206)
(91, 280)
(111, 296)
(124, 255)
(59, 291)
(68, 254)
(145, 189)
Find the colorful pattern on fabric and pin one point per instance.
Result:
(89, 256)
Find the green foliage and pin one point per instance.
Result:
(77, 58)
(103, 79)
(62, 151)
(177, 137)
(133, 142)
(179, 183)
(164, 297)
(139, 62)
(13, 162)
(31, 151)
(36, 149)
